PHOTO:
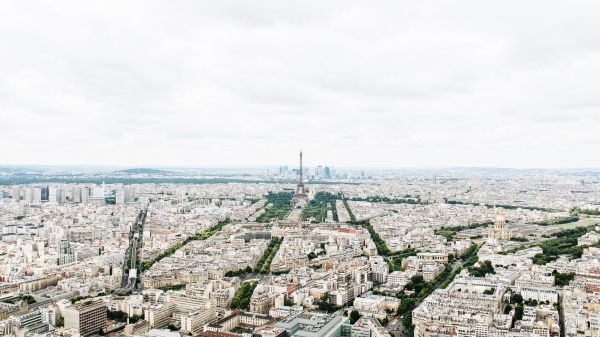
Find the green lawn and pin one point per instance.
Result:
(278, 206)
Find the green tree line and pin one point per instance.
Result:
(171, 250)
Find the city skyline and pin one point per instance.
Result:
(299, 169)
(354, 85)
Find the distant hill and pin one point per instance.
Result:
(142, 171)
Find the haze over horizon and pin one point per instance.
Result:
(231, 83)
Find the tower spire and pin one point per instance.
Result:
(301, 182)
(300, 199)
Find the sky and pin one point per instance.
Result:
(353, 83)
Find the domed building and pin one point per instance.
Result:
(499, 232)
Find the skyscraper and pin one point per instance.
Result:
(16, 194)
(29, 194)
(77, 194)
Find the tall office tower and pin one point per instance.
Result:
(86, 318)
(85, 195)
(53, 194)
(99, 195)
(120, 197)
(66, 253)
(129, 194)
(98, 192)
(77, 194)
(37, 195)
(45, 192)
(282, 170)
(29, 194)
(16, 194)
(61, 195)
(319, 172)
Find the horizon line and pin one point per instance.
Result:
(267, 166)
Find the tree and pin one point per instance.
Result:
(484, 268)
(407, 322)
(241, 299)
(28, 299)
(325, 303)
(518, 314)
(406, 305)
(489, 291)
(516, 298)
(531, 302)
(416, 283)
(118, 316)
(563, 279)
(354, 316)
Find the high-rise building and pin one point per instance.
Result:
(129, 194)
(57, 195)
(77, 194)
(66, 253)
(319, 172)
(37, 195)
(53, 194)
(29, 194)
(45, 192)
(85, 195)
(86, 318)
(120, 197)
(16, 194)
(282, 170)
(327, 173)
(124, 195)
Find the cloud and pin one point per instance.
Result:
(384, 83)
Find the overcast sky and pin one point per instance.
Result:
(371, 83)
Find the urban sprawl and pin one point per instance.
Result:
(300, 252)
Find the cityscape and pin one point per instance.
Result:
(276, 168)
(305, 251)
